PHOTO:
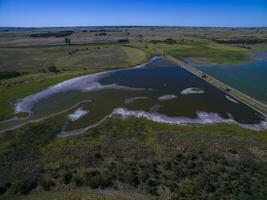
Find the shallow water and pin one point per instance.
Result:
(250, 78)
(155, 91)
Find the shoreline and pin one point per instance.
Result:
(68, 109)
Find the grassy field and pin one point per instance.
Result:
(67, 57)
(205, 51)
(137, 155)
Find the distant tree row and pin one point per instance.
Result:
(52, 34)
(241, 41)
(105, 30)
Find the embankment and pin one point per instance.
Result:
(253, 103)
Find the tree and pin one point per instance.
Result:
(170, 41)
(53, 69)
(67, 40)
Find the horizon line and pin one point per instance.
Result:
(77, 26)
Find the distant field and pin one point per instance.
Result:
(203, 54)
(204, 51)
(197, 43)
(67, 57)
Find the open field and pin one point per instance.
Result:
(244, 40)
(65, 58)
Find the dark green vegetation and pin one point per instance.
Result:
(210, 55)
(53, 34)
(200, 162)
(166, 41)
(7, 75)
(123, 41)
(170, 41)
(106, 30)
(241, 41)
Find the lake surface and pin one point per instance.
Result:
(158, 91)
(250, 78)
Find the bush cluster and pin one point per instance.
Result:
(9, 74)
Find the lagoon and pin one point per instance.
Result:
(159, 91)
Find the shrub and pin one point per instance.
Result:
(46, 184)
(89, 175)
(25, 186)
(155, 41)
(151, 190)
(102, 34)
(94, 179)
(152, 182)
(66, 177)
(53, 69)
(3, 189)
(170, 41)
(99, 181)
(11, 74)
(132, 179)
(78, 181)
(98, 156)
(123, 41)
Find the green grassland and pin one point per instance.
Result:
(157, 160)
(67, 57)
(204, 51)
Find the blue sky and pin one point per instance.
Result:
(42, 13)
